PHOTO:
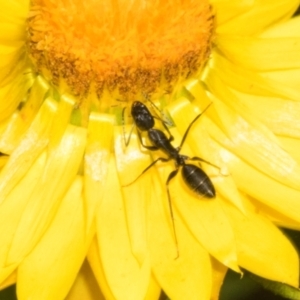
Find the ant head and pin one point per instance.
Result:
(142, 116)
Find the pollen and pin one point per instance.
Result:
(127, 47)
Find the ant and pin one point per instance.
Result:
(194, 177)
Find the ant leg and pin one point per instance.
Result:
(205, 161)
(171, 176)
(150, 166)
(191, 124)
(157, 111)
(123, 128)
(151, 148)
(129, 136)
(171, 138)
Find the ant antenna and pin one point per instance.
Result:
(191, 124)
(158, 112)
(123, 129)
(164, 119)
(163, 122)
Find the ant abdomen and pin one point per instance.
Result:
(198, 181)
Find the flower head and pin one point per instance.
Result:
(72, 183)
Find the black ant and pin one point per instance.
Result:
(194, 177)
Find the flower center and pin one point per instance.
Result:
(128, 47)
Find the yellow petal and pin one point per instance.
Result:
(12, 209)
(11, 63)
(127, 278)
(248, 81)
(11, 94)
(153, 291)
(257, 147)
(180, 277)
(9, 281)
(97, 268)
(254, 182)
(131, 161)
(12, 133)
(291, 145)
(284, 80)
(219, 272)
(21, 120)
(6, 272)
(274, 216)
(14, 11)
(3, 160)
(227, 10)
(285, 29)
(11, 33)
(60, 251)
(261, 54)
(33, 143)
(36, 96)
(61, 167)
(96, 159)
(16, 67)
(258, 247)
(261, 187)
(264, 12)
(66, 105)
(278, 114)
(85, 286)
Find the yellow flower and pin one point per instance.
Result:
(71, 69)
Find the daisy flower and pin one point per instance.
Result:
(69, 73)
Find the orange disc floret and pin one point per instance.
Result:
(132, 46)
